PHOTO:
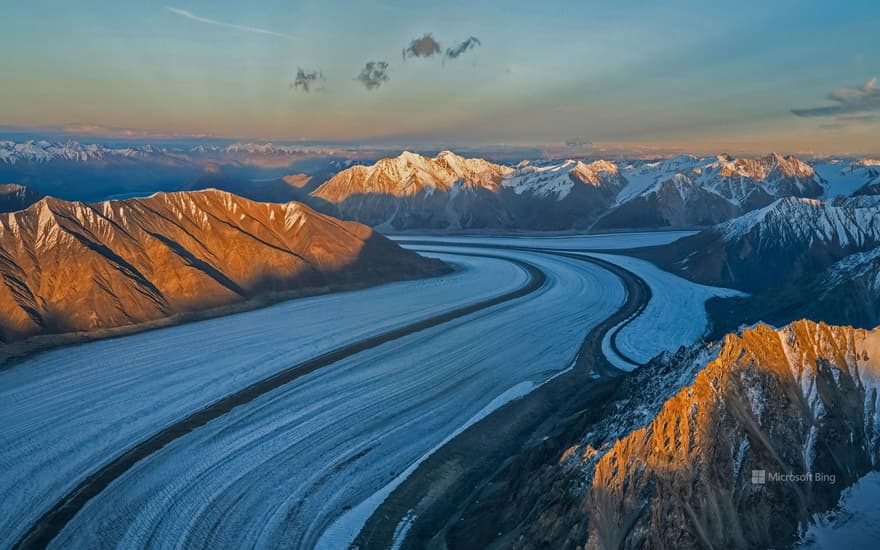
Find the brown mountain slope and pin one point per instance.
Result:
(670, 465)
(69, 266)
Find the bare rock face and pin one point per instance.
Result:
(781, 176)
(771, 430)
(70, 266)
(17, 197)
(561, 195)
(869, 171)
(675, 202)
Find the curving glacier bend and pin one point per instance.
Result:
(67, 411)
(283, 468)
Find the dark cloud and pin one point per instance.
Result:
(425, 46)
(306, 80)
(857, 99)
(373, 74)
(457, 50)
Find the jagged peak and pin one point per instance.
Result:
(680, 178)
(409, 173)
(808, 218)
(409, 156)
(603, 165)
(49, 202)
(446, 153)
(13, 187)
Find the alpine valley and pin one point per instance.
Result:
(579, 353)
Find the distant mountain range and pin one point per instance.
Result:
(446, 192)
(451, 192)
(43, 151)
(93, 172)
(17, 197)
(73, 267)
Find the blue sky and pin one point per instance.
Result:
(676, 74)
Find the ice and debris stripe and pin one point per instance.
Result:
(402, 528)
(675, 316)
(612, 356)
(345, 529)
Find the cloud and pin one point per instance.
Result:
(856, 99)
(425, 46)
(83, 129)
(578, 143)
(373, 74)
(245, 28)
(845, 122)
(457, 50)
(306, 80)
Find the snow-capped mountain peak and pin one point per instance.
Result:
(807, 220)
(557, 180)
(44, 151)
(410, 173)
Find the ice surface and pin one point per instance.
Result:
(606, 241)
(855, 522)
(675, 315)
(65, 413)
(284, 468)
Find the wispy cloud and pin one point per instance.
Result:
(855, 99)
(84, 129)
(207, 21)
(854, 122)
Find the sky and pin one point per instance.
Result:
(696, 76)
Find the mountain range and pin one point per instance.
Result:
(75, 267)
(447, 191)
(451, 192)
(93, 172)
(765, 248)
(42, 151)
